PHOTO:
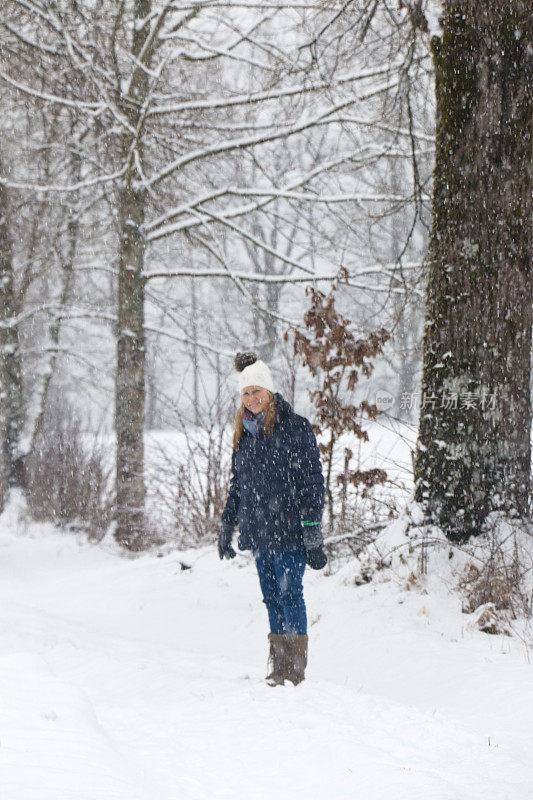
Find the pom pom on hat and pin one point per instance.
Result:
(243, 360)
(253, 372)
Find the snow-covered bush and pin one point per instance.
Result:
(500, 571)
(489, 619)
(68, 474)
(187, 483)
(491, 574)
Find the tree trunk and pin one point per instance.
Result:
(130, 385)
(67, 258)
(11, 372)
(5, 259)
(3, 471)
(195, 355)
(473, 452)
(131, 353)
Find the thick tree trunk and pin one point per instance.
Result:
(3, 470)
(130, 383)
(474, 441)
(5, 257)
(11, 372)
(131, 351)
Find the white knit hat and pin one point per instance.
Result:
(256, 374)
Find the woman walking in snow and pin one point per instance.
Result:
(276, 496)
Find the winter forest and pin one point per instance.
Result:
(340, 190)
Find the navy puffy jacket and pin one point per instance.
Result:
(276, 483)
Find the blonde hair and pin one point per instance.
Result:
(269, 420)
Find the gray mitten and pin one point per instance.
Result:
(316, 559)
(225, 550)
(315, 556)
(312, 535)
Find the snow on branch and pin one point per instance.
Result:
(259, 277)
(230, 273)
(323, 118)
(72, 187)
(325, 198)
(265, 96)
(187, 340)
(79, 105)
(257, 242)
(160, 227)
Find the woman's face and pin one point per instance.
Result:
(255, 398)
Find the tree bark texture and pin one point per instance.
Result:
(11, 372)
(473, 454)
(67, 258)
(3, 471)
(131, 350)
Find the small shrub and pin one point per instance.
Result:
(498, 576)
(489, 619)
(68, 476)
(188, 488)
(337, 357)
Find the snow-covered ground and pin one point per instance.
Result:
(135, 679)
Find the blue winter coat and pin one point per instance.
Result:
(276, 483)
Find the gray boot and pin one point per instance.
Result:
(295, 657)
(276, 659)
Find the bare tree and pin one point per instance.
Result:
(172, 101)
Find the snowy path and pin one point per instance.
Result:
(133, 679)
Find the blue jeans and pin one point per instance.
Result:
(280, 577)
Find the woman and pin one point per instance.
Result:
(276, 496)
